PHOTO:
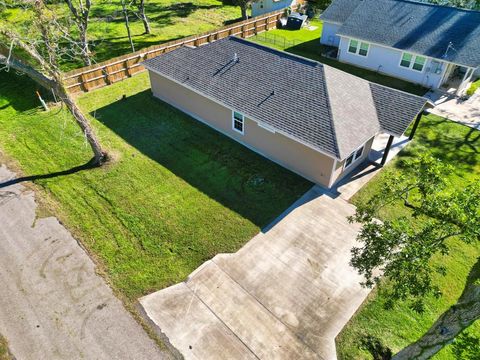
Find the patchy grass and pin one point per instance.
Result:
(176, 194)
(169, 20)
(4, 353)
(459, 146)
(306, 43)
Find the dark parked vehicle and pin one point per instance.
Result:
(295, 21)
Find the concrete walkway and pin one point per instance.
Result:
(52, 303)
(285, 295)
(466, 112)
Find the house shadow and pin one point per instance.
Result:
(226, 171)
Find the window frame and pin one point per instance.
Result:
(355, 155)
(242, 121)
(413, 61)
(350, 45)
(358, 47)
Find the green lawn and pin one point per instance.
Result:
(473, 87)
(176, 194)
(169, 20)
(306, 42)
(459, 146)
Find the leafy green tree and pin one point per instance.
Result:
(400, 249)
(36, 52)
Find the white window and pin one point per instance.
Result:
(353, 46)
(237, 122)
(358, 47)
(354, 156)
(415, 62)
(348, 162)
(359, 153)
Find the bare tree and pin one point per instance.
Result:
(41, 45)
(127, 24)
(81, 16)
(140, 4)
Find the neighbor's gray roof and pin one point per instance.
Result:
(436, 31)
(325, 108)
(339, 10)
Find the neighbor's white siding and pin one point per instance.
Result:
(387, 60)
(329, 34)
(264, 6)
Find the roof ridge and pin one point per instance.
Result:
(330, 113)
(329, 75)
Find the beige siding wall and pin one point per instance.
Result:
(340, 172)
(299, 158)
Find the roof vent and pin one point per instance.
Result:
(235, 57)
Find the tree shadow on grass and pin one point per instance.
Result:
(226, 171)
(452, 143)
(20, 95)
(87, 166)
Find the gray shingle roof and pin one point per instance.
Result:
(339, 10)
(325, 108)
(437, 31)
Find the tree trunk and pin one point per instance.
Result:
(84, 45)
(100, 156)
(244, 11)
(143, 17)
(447, 327)
(56, 84)
(127, 24)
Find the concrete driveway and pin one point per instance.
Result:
(52, 304)
(285, 295)
(466, 112)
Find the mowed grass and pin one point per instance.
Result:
(176, 193)
(169, 20)
(456, 145)
(306, 43)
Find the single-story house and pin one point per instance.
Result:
(261, 7)
(432, 45)
(313, 119)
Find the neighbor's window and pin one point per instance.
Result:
(353, 46)
(406, 60)
(359, 48)
(238, 122)
(363, 49)
(419, 63)
(413, 62)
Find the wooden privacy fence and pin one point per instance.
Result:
(121, 67)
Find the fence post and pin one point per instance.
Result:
(84, 82)
(107, 76)
(127, 68)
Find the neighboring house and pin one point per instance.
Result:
(313, 119)
(261, 7)
(432, 45)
